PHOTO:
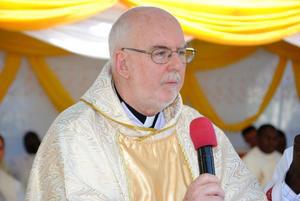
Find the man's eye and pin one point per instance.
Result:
(181, 51)
(160, 53)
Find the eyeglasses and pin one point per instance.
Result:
(162, 55)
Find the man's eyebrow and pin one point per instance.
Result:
(159, 46)
(165, 47)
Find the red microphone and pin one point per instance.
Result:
(204, 138)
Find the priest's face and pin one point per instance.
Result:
(155, 80)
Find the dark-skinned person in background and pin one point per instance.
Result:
(285, 184)
(262, 159)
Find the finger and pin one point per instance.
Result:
(206, 178)
(212, 189)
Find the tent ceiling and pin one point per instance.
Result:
(90, 37)
(294, 39)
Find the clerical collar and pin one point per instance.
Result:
(138, 118)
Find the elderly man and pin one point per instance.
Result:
(128, 137)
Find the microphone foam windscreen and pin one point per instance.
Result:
(202, 132)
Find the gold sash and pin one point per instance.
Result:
(156, 169)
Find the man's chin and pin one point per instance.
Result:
(168, 101)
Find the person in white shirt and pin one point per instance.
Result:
(285, 184)
(10, 188)
(249, 135)
(21, 165)
(262, 159)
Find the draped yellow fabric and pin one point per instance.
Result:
(210, 56)
(233, 23)
(296, 68)
(292, 52)
(198, 99)
(32, 14)
(53, 87)
(35, 50)
(285, 50)
(223, 22)
(8, 73)
(27, 46)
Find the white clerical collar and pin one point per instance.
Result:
(159, 123)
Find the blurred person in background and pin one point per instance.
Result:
(285, 184)
(249, 135)
(262, 159)
(21, 166)
(281, 143)
(10, 188)
(2, 153)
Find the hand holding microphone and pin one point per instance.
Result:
(206, 187)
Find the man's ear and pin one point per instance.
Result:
(121, 67)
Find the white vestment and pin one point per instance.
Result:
(10, 188)
(280, 190)
(262, 165)
(20, 168)
(80, 158)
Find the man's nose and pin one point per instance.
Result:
(176, 62)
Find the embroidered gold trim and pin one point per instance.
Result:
(136, 128)
(123, 166)
(185, 157)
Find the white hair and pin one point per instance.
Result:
(123, 28)
(118, 34)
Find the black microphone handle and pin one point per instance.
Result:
(206, 160)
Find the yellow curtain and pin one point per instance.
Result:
(8, 73)
(34, 50)
(194, 95)
(222, 22)
(233, 23)
(52, 86)
(27, 46)
(284, 49)
(20, 15)
(211, 56)
(296, 68)
(291, 52)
